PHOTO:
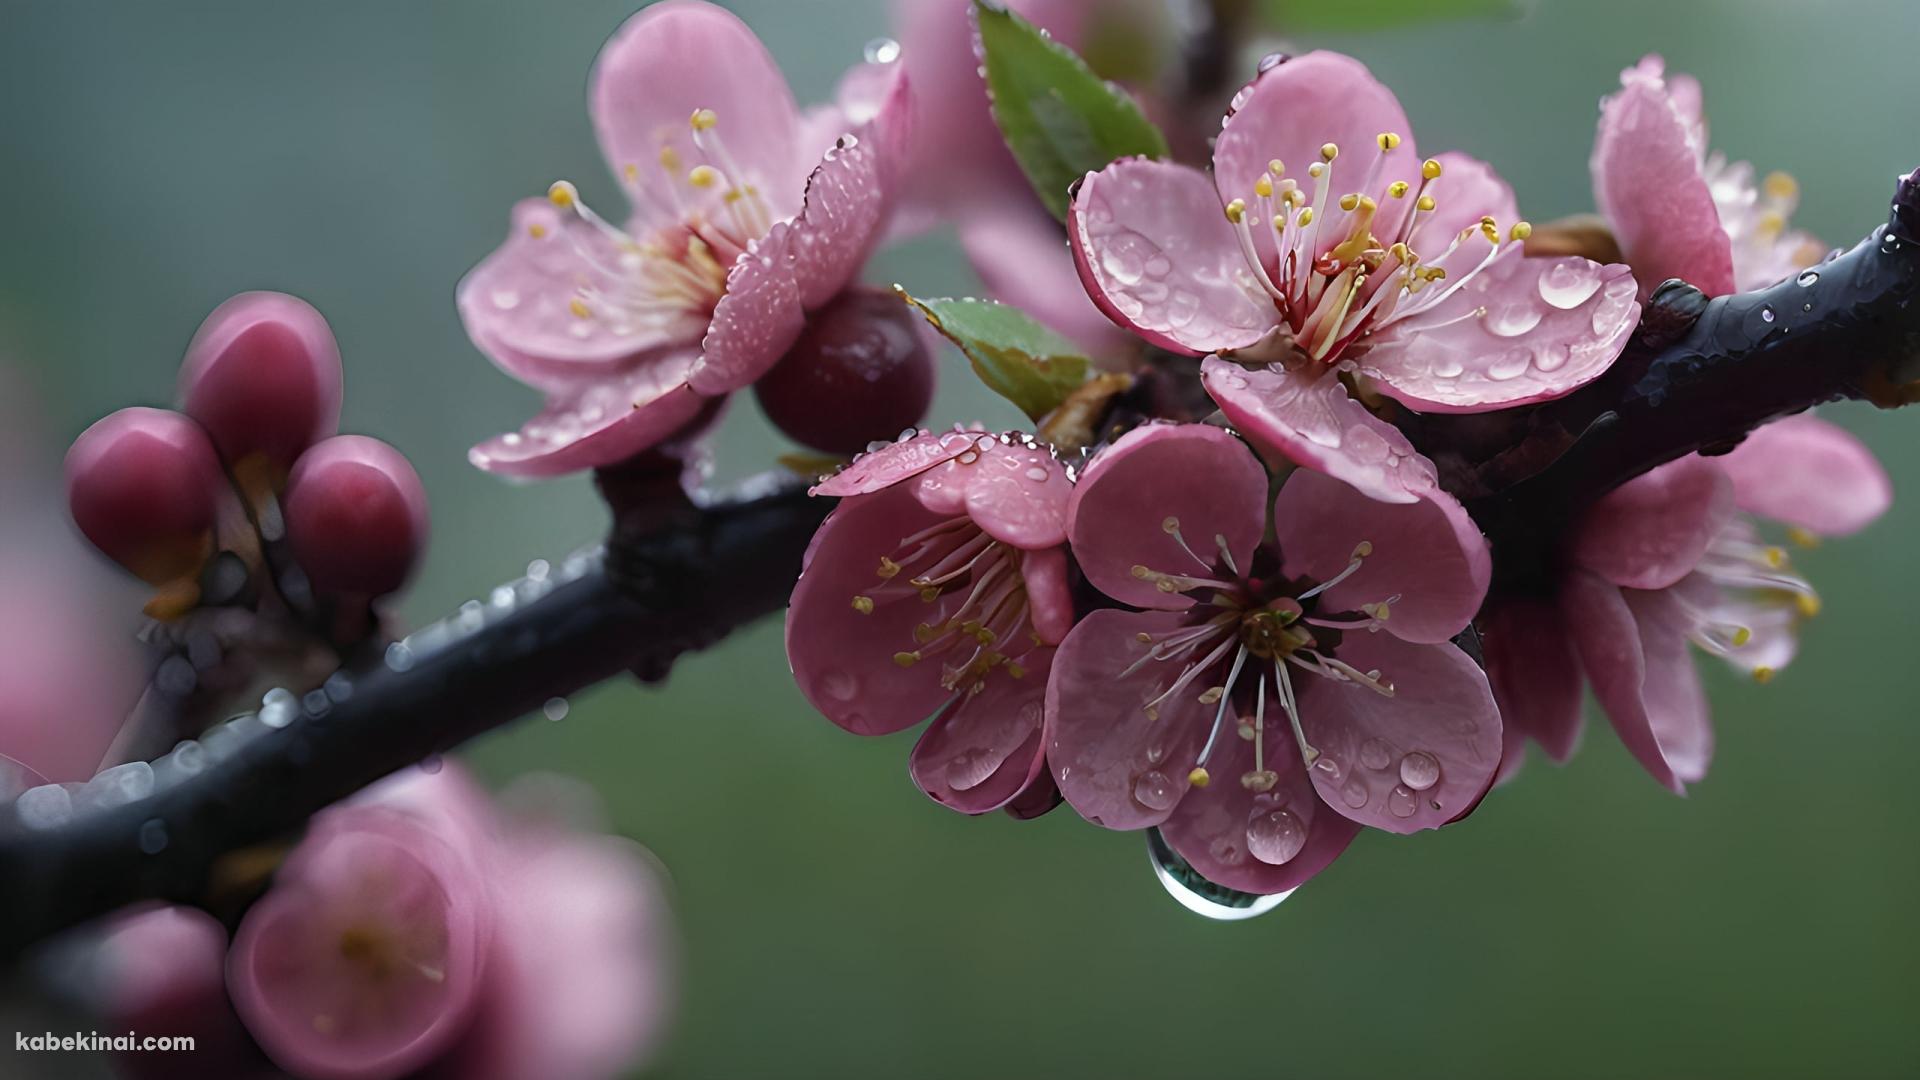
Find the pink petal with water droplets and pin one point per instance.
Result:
(1306, 417)
(1017, 494)
(986, 748)
(1652, 530)
(1428, 553)
(1202, 477)
(1115, 763)
(895, 462)
(843, 659)
(1535, 675)
(1257, 842)
(757, 319)
(1466, 190)
(1387, 761)
(1648, 184)
(1049, 596)
(1520, 330)
(598, 423)
(1807, 472)
(517, 304)
(1016, 248)
(848, 197)
(1157, 255)
(1633, 648)
(679, 56)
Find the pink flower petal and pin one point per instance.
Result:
(757, 319)
(1535, 674)
(847, 199)
(1306, 417)
(1018, 494)
(1157, 255)
(1807, 472)
(1416, 760)
(1049, 596)
(882, 468)
(516, 304)
(1201, 477)
(984, 749)
(1119, 766)
(1257, 842)
(1631, 647)
(1520, 330)
(1647, 181)
(1652, 530)
(598, 423)
(1428, 553)
(843, 659)
(679, 56)
(1021, 255)
(1290, 111)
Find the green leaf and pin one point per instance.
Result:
(1016, 357)
(1059, 119)
(1300, 17)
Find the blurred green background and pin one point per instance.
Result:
(157, 157)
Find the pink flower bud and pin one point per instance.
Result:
(144, 486)
(161, 971)
(263, 376)
(356, 516)
(860, 372)
(365, 958)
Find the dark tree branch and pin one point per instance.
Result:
(676, 576)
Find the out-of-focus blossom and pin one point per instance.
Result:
(1670, 558)
(161, 971)
(1680, 211)
(1269, 697)
(1324, 247)
(939, 585)
(747, 214)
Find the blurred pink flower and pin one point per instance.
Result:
(1679, 211)
(1669, 558)
(939, 584)
(1396, 727)
(1395, 271)
(161, 971)
(747, 214)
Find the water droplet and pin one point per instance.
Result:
(1198, 895)
(472, 616)
(1808, 277)
(1419, 770)
(1400, 802)
(1766, 314)
(1376, 754)
(1448, 366)
(1567, 285)
(45, 807)
(537, 570)
(1272, 60)
(1354, 794)
(153, 837)
(399, 657)
(555, 708)
(1037, 474)
(1510, 364)
(1513, 318)
(278, 712)
(502, 597)
(176, 676)
(839, 684)
(970, 769)
(1155, 791)
(1328, 769)
(882, 50)
(1123, 263)
(506, 299)
(317, 703)
(431, 763)
(1275, 836)
(1551, 355)
(189, 756)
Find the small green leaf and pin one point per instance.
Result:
(1299, 17)
(1059, 119)
(1016, 357)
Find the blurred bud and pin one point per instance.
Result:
(144, 485)
(364, 960)
(356, 516)
(161, 971)
(263, 376)
(860, 372)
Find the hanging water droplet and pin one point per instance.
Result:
(338, 687)
(153, 837)
(1153, 790)
(1197, 894)
(121, 784)
(555, 709)
(45, 807)
(882, 50)
(399, 657)
(502, 597)
(537, 570)
(277, 711)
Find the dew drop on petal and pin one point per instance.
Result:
(1376, 754)
(1568, 284)
(1154, 790)
(1419, 770)
(1354, 794)
(1400, 802)
(1513, 318)
(1510, 364)
(1275, 836)
(839, 684)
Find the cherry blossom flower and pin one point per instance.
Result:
(747, 214)
(939, 585)
(1673, 557)
(1679, 211)
(1326, 248)
(1268, 698)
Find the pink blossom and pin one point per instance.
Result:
(1670, 558)
(747, 214)
(1269, 697)
(1342, 255)
(1679, 211)
(161, 970)
(939, 585)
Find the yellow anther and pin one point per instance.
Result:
(734, 195)
(924, 633)
(1401, 252)
(1306, 217)
(1263, 187)
(1263, 780)
(1316, 169)
(1780, 185)
(1763, 675)
(1802, 538)
(888, 567)
(1143, 637)
(1388, 140)
(863, 604)
(1490, 229)
(1776, 556)
(929, 594)
(670, 159)
(1424, 203)
(1772, 223)
(1348, 202)
(906, 659)
(1328, 151)
(537, 231)
(579, 308)
(1279, 221)
(631, 172)
(1016, 671)
(1430, 169)
(1141, 572)
(1808, 604)
(1294, 197)
(563, 194)
(1236, 210)
(702, 120)
(1741, 635)
(1199, 777)
(1277, 168)
(1362, 549)
(1213, 694)
(1398, 189)
(1170, 525)
(1520, 231)
(702, 176)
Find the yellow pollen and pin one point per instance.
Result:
(1776, 557)
(579, 308)
(537, 231)
(1772, 223)
(1328, 151)
(1808, 604)
(1306, 216)
(1763, 675)
(1213, 694)
(703, 176)
(670, 159)
(1015, 671)
(1780, 185)
(1424, 203)
(1388, 140)
(1348, 202)
(1741, 635)
(1316, 169)
(906, 659)
(563, 194)
(1170, 525)
(1362, 549)
(702, 120)
(1430, 169)
(1277, 168)
(888, 567)
(1802, 538)
(1263, 187)
(863, 604)
(1520, 231)
(1143, 637)
(1398, 189)
(631, 172)
(1199, 777)
(929, 594)
(1236, 210)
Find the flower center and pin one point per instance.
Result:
(681, 268)
(1768, 591)
(1328, 273)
